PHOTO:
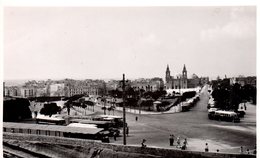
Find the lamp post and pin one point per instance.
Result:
(124, 122)
(140, 102)
(179, 84)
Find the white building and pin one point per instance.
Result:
(57, 89)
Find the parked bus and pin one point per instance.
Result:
(223, 115)
(116, 120)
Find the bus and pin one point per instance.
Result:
(222, 115)
(116, 120)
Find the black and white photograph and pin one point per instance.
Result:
(129, 81)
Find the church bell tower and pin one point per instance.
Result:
(168, 74)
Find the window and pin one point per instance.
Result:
(20, 130)
(57, 133)
(47, 133)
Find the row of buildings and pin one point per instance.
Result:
(241, 80)
(65, 88)
(69, 87)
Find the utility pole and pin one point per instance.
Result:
(140, 103)
(4, 88)
(124, 123)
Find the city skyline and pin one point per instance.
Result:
(105, 42)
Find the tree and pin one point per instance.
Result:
(186, 95)
(248, 93)
(16, 109)
(45, 99)
(130, 92)
(70, 101)
(104, 108)
(50, 109)
(235, 97)
(115, 93)
(221, 97)
(142, 91)
(131, 102)
(68, 105)
(228, 97)
(148, 94)
(146, 103)
(104, 100)
(89, 103)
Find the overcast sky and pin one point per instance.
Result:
(105, 42)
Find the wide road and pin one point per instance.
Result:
(193, 125)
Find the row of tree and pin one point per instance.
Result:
(131, 93)
(228, 97)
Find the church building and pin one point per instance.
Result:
(180, 82)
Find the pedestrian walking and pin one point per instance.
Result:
(206, 148)
(127, 131)
(178, 142)
(184, 146)
(245, 106)
(241, 150)
(171, 138)
(185, 141)
(142, 144)
(136, 118)
(114, 134)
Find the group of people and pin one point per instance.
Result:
(241, 150)
(247, 151)
(184, 146)
(178, 141)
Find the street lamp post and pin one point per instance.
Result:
(140, 103)
(180, 85)
(124, 122)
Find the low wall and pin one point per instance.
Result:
(90, 148)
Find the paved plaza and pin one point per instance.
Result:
(193, 125)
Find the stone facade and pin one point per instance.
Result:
(180, 82)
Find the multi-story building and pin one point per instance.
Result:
(195, 81)
(27, 92)
(153, 84)
(56, 89)
(250, 80)
(12, 91)
(84, 87)
(112, 84)
(41, 91)
(75, 90)
(204, 80)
